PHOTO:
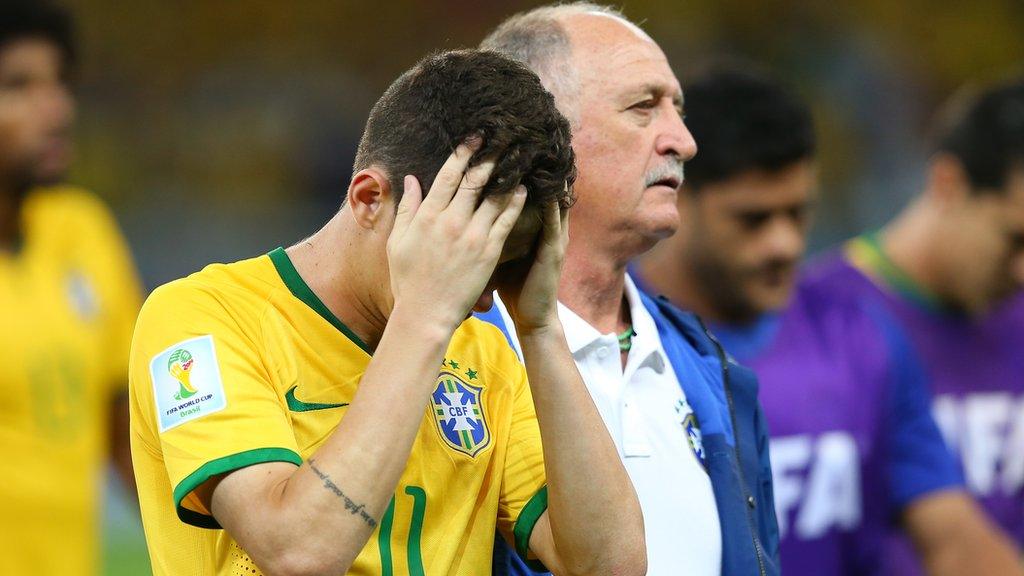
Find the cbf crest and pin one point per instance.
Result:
(688, 420)
(460, 414)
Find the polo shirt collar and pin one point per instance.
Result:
(646, 351)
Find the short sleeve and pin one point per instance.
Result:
(199, 378)
(919, 460)
(524, 495)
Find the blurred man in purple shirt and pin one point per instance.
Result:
(845, 375)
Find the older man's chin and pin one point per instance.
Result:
(663, 224)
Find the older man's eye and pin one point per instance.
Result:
(644, 104)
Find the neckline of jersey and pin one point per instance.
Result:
(874, 259)
(298, 287)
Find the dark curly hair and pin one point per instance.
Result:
(21, 19)
(985, 131)
(447, 97)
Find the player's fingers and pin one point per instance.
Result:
(489, 210)
(505, 221)
(448, 178)
(472, 186)
(551, 229)
(412, 197)
(552, 222)
(564, 219)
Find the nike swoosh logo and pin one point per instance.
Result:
(296, 405)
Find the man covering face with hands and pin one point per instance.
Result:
(329, 409)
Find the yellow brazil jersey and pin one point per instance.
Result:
(241, 364)
(68, 298)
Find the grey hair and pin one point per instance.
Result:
(538, 39)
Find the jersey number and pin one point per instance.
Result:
(414, 556)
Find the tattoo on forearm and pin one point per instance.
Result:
(350, 505)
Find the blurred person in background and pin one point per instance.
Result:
(68, 299)
(333, 407)
(950, 269)
(686, 421)
(854, 446)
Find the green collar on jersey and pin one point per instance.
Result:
(302, 291)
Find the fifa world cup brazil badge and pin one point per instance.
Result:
(688, 420)
(186, 382)
(459, 413)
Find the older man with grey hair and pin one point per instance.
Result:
(685, 418)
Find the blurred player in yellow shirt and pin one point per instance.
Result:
(68, 299)
(329, 409)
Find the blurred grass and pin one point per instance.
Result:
(124, 545)
(124, 554)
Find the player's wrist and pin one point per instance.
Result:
(428, 322)
(542, 334)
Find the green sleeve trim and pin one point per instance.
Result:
(528, 517)
(220, 466)
(298, 287)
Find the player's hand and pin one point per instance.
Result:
(533, 304)
(443, 248)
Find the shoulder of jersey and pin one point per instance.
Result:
(250, 279)
(67, 194)
(68, 204)
(487, 336)
(486, 333)
(832, 278)
(832, 293)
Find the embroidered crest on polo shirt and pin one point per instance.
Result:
(688, 420)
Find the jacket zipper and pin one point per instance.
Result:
(736, 445)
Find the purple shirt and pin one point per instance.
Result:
(975, 370)
(853, 441)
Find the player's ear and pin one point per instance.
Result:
(947, 179)
(369, 197)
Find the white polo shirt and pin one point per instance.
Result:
(647, 416)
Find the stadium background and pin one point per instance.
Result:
(219, 129)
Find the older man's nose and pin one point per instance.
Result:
(674, 138)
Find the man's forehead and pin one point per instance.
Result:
(763, 190)
(604, 43)
(611, 20)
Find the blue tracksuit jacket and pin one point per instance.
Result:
(723, 395)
